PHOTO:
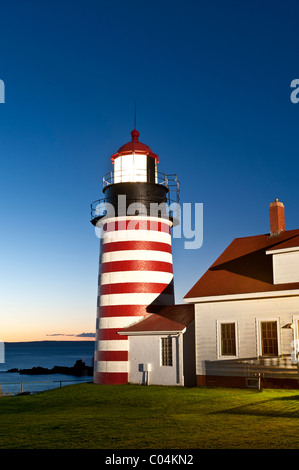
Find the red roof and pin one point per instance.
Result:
(164, 318)
(289, 243)
(245, 268)
(134, 146)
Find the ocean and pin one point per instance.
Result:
(45, 354)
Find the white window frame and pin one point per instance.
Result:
(169, 337)
(259, 336)
(219, 355)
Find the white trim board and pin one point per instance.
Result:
(251, 295)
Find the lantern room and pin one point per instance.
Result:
(135, 177)
(135, 162)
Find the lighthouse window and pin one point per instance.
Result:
(127, 168)
(166, 351)
(140, 169)
(130, 168)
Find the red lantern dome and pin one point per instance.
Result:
(134, 146)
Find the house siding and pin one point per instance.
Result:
(246, 314)
(146, 349)
(286, 267)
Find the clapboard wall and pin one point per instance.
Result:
(247, 315)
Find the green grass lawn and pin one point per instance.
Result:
(88, 416)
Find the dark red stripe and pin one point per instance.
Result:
(136, 245)
(136, 265)
(136, 225)
(109, 333)
(111, 355)
(122, 310)
(133, 287)
(111, 378)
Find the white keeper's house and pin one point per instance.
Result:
(247, 311)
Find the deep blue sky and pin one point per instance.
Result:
(212, 84)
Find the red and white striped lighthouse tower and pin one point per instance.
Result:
(135, 269)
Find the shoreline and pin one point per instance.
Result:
(79, 369)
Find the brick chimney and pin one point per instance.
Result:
(277, 221)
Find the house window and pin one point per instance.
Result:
(228, 339)
(166, 351)
(269, 340)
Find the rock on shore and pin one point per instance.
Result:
(79, 369)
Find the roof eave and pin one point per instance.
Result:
(245, 296)
(282, 250)
(157, 332)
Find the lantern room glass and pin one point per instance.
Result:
(130, 168)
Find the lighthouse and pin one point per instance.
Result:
(133, 220)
